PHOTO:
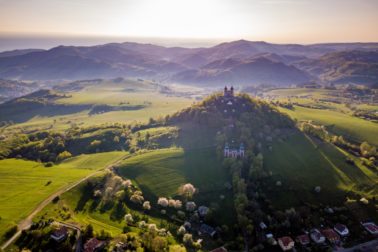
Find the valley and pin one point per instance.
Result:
(174, 162)
(286, 160)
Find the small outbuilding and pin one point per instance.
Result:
(286, 243)
(304, 240)
(371, 227)
(93, 245)
(341, 229)
(60, 234)
(316, 236)
(331, 236)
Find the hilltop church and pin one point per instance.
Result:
(228, 93)
(233, 152)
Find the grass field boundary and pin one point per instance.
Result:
(26, 223)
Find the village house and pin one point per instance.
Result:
(93, 245)
(270, 239)
(316, 236)
(60, 234)
(331, 236)
(304, 240)
(234, 152)
(371, 227)
(341, 229)
(263, 225)
(286, 243)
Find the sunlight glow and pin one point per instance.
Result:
(272, 20)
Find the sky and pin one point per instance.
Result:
(278, 21)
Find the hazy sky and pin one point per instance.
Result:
(301, 21)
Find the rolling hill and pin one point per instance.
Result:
(10, 89)
(258, 70)
(359, 67)
(18, 52)
(190, 64)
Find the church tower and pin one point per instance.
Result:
(228, 93)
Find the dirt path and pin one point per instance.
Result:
(27, 222)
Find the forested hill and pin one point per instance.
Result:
(218, 111)
(240, 118)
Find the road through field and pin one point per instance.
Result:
(26, 223)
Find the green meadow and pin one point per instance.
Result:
(302, 163)
(161, 172)
(24, 184)
(339, 123)
(337, 117)
(98, 219)
(157, 173)
(128, 92)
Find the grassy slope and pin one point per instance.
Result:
(352, 127)
(99, 220)
(160, 173)
(336, 114)
(301, 164)
(157, 104)
(69, 200)
(23, 183)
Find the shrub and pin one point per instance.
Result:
(56, 199)
(63, 155)
(11, 231)
(49, 164)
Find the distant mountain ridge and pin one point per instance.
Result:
(359, 67)
(240, 62)
(18, 52)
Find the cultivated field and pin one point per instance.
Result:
(24, 184)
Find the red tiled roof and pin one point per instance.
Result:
(303, 239)
(371, 227)
(60, 232)
(331, 235)
(286, 240)
(92, 244)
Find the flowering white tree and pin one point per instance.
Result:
(97, 193)
(187, 190)
(181, 230)
(146, 205)
(127, 183)
(171, 203)
(187, 239)
(137, 197)
(152, 228)
(129, 218)
(142, 224)
(108, 193)
(163, 202)
(178, 204)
